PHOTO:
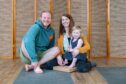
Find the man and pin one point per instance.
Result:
(37, 45)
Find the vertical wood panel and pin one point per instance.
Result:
(108, 30)
(89, 26)
(6, 29)
(35, 9)
(14, 28)
(69, 6)
(51, 7)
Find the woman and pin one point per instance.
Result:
(65, 30)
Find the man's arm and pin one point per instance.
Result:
(29, 42)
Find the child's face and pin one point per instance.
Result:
(76, 33)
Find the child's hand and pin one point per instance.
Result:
(71, 50)
(68, 49)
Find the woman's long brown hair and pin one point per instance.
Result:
(61, 27)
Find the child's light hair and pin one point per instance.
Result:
(77, 28)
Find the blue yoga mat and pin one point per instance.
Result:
(113, 75)
(48, 77)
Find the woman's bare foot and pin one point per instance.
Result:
(28, 67)
(38, 70)
(65, 62)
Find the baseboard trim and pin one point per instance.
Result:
(6, 57)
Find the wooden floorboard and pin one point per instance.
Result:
(92, 77)
(9, 69)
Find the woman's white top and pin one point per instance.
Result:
(65, 42)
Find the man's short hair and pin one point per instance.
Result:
(45, 12)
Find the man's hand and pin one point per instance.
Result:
(60, 60)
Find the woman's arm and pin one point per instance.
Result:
(86, 46)
(60, 44)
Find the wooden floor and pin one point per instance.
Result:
(9, 69)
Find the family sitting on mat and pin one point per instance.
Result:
(38, 49)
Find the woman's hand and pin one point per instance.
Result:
(60, 60)
(70, 49)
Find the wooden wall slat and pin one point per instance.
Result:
(6, 28)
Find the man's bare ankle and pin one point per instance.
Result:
(38, 70)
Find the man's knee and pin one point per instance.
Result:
(56, 49)
(23, 58)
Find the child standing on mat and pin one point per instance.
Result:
(75, 42)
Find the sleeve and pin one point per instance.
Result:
(52, 42)
(86, 46)
(60, 45)
(29, 41)
(58, 42)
